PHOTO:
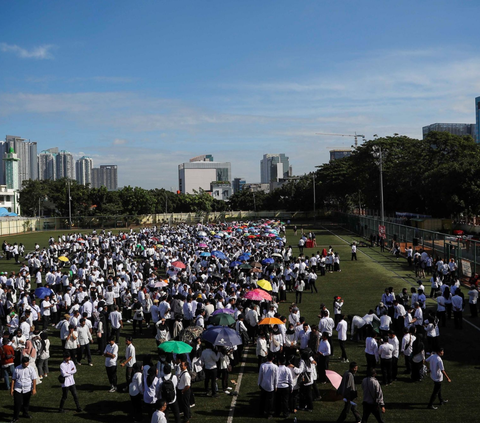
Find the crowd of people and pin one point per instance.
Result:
(168, 281)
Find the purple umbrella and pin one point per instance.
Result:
(223, 310)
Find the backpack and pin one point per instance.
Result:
(168, 390)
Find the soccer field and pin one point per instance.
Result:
(360, 283)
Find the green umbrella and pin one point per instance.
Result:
(222, 319)
(245, 267)
(177, 347)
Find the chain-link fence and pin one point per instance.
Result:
(465, 250)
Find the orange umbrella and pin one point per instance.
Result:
(271, 321)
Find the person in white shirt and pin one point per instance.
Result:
(159, 415)
(23, 386)
(341, 329)
(267, 381)
(67, 370)
(184, 391)
(209, 358)
(437, 372)
(283, 388)
(324, 353)
(111, 357)
(84, 340)
(116, 322)
(371, 350)
(393, 341)
(130, 360)
(135, 389)
(473, 300)
(385, 353)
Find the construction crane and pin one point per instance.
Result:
(356, 136)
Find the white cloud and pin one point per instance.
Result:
(40, 52)
(119, 141)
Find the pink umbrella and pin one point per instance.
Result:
(265, 295)
(334, 378)
(202, 245)
(254, 296)
(160, 284)
(178, 264)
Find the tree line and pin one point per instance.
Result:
(439, 176)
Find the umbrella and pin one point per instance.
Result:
(256, 270)
(190, 333)
(63, 258)
(254, 296)
(262, 283)
(257, 264)
(205, 254)
(178, 264)
(245, 266)
(202, 233)
(277, 255)
(235, 263)
(43, 292)
(273, 266)
(334, 378)
(268, 261)
(202, 245)
(270, 321)
(160, 284)
(219, 255)
(177, 347)
(264, 294)
(222, 319)
(223, 310)
(244, 257)
(222, 336)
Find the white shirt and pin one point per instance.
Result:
(68, 370)
(342, 330)
(436, 366)
(23, 377)
(112, 349)
(268, 376)
(130, 352)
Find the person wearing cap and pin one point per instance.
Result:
(67, 370)
(22, 388)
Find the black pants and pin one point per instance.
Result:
(346, 409)
(175, 411)
(73, 390)
(342, 347)
(183, 399)
(437, 390)
(371, 409)
(266, 399)
(306, 400)
(45, 322)
(21, 402)
(282, 400)
(298, 297)
(140, 327)
(137, 407)
(112, 375)
(116, 333)
(128, 375)
(84, 349)
(211, 376)
(458, 319)
(371, 362)
(386, 366)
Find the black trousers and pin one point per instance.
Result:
(371, 409)
(371, 361)
(267, 399)
(282, 399)
(21, 402)
(112, 375)
(346, 409)
(137, 407)
(65, 390)
(386, 366)
(175, 411)
(183, 399)
(437, 390)
(342, 347)
(211, 376)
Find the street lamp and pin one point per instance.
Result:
(377, 153)
(314, 199)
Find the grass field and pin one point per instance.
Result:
(360, 283)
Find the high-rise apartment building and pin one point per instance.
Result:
(84, 167)
(477, 117)
(105, 176)
(65, 167)
(198, 175)
(47, 167)
(274, 167)
(27, 154)
(238, 184)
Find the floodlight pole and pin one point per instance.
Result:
(69, 205)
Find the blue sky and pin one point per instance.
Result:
(147, 85)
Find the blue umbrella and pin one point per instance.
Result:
(217, 236)
(268, 261)
(244, 257)
(223, 310)
(205, 254)
(222, 336)
(235, 263)
(219, 255)
(43, 292)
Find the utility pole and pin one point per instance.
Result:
(314, 199)
(69, 205)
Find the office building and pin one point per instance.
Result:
(452, 128)
(221, 190)
(9, 191)
(64, 165)
(105, 176)
(196, 176)
(274, 167)
(27, 154)
(238, 184)
(83, 170)
(340, 153)
(47, 168)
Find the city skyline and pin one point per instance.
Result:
(237, 79)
